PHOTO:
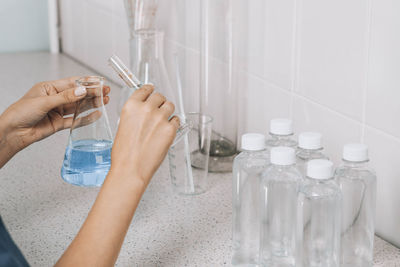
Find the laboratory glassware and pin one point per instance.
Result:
(199, 148)
(248, 167)
(309, 147)
(358, 183)
(133, 83)
(141, 14)
(320, 211)
(281, 133)
(88, 154)
(218, 87)
(280, 236)
(147, 61)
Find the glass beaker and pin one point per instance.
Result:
(218, 88)
(87, 157)
(188, 159)
(147, 61)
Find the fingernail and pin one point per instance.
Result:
(80, 91)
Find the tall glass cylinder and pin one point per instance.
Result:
(218, 92)
(147, 61)
(141, 17)
(141, 14)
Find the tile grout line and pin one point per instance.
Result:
(367, 67)
(293, 58)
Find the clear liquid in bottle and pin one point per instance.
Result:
(248, 167)
(279, 244)
(320, 212)
(358, 184)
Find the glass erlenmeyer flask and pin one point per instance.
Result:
(147, 61)
(88, 154)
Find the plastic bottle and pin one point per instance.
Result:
(280, 194)
(281, 133)
(320, 208)
(310, 147)
(358, 184)
(248, 167)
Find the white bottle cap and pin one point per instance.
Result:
(355, 152)
(281, 127)
(283, 155)
(253, 141)
(320, 169)
(310, 140)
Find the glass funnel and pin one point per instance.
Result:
(87, 157)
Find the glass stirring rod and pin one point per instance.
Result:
(133, 83)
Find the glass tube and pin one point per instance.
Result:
(141, 14)
(218, 92)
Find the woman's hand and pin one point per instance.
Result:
(143, 138)
(40, 113)
(144, 135)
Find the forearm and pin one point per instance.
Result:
(100, 239)
(7, 150)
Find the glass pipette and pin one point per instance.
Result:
(133, 83)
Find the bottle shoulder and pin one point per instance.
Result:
(282, 173)
(305, 155)
(275, 141)
(251, 160)
(355, 172)
(313, 188)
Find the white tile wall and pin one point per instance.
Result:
(333, 66)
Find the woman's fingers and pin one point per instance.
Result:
(143, 92)
(85, 120)
(156, 100)
(93, 92)
(64, 84)
(88, 103)
(167, 109)
(175, 122)
(67, 83)
(69, 96)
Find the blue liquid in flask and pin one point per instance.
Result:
(87, 162)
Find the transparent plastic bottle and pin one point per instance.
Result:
(248, 167)
(310, 147)
(281, 133)
(320, 207)
(280, 235)
(358, 184)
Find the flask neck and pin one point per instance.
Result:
(147, 45)
(144, 11)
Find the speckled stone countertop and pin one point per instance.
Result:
(43, 213)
